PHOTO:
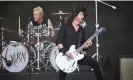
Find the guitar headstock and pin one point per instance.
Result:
(100, 30)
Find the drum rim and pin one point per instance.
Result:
(57, 69)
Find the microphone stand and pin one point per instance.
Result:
(60, 18)
(97, 25)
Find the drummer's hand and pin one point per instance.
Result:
(20, 32)
(53, 33)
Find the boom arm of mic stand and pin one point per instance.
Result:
(114, 7)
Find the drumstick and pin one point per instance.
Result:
(19, 23)
(19, 27)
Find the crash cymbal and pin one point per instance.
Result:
(7, 30)
(1, 18)
(60, 13)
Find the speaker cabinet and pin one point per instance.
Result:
(126, 68)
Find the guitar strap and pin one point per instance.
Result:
(80, 37)
(79, 41)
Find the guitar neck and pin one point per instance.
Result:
(86, 43)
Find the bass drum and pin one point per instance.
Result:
(17, 54)
(53, 55)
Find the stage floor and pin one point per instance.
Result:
(54, 76)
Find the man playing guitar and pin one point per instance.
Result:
(69, 34)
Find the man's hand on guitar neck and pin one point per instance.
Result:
(89, 43)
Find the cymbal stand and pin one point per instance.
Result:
(60, 18)
(2, 44)
(2, 38)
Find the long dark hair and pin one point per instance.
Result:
(74, 13)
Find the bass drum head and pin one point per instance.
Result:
(53, 55)
(17, 54)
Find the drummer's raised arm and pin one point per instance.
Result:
(50, 24)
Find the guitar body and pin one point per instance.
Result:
(68, 65)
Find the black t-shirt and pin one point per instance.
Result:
(68, 36)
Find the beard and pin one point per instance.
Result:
(79, 19)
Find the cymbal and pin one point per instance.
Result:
(1, 18)
(60, 13)
(56, 29)
(7, 30)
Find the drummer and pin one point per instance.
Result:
(40, 19)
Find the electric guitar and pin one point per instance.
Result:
(68, 65)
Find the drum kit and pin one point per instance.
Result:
(35, 52)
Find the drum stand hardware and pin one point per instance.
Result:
(0, 62)
(38, 60)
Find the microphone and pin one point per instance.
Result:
(30, 18)
(83, 24)
(113, 7)
(30, 22)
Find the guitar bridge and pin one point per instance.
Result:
(75, 52)
(73, 64)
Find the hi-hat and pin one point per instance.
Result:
(60, 13)
(7, 30)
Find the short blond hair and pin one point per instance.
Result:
(39, 9)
